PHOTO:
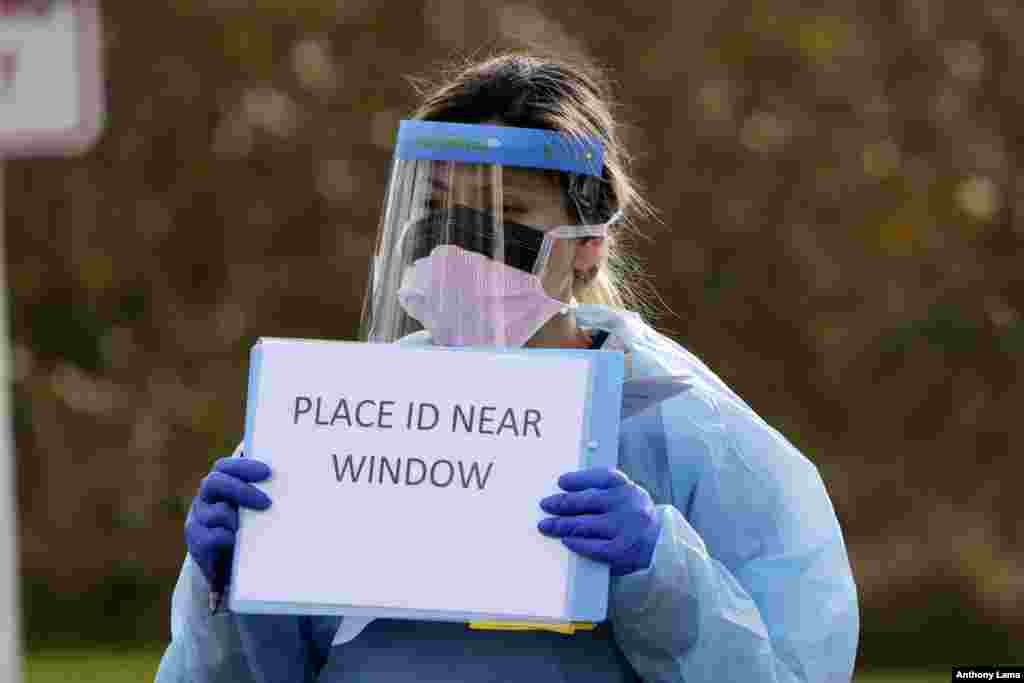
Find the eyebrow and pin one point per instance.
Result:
(510, 191)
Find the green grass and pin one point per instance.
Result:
(89, 666)
(902, 677)
(122, 666)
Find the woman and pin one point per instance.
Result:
(727, 559)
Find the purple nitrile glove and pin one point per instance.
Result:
(604, 516)
(213, 520)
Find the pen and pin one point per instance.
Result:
(216, 599)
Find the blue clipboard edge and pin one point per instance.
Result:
(591, 578)
(589, 581)
(312, 609)
(255, 363)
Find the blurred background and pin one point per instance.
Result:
(840, 239)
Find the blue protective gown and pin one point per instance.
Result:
(750, 579)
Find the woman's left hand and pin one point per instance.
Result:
(603, 516)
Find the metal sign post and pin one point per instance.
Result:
(10, 634)
(50, 104)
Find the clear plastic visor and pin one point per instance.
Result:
(519, 219)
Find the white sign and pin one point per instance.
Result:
(50, 86)
(409, 478)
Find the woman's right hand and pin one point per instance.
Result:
(213, 520)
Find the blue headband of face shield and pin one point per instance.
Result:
(500, 145)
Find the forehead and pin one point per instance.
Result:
(512, 178)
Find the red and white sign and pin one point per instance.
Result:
(51, 92)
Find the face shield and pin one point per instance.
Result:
(479, 232)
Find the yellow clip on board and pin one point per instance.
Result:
(567, 629)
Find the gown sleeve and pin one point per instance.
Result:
(753, 582)
(240, 648)
(250, 648)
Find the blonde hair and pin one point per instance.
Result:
(536, 89)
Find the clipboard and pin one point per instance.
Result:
(333, 545)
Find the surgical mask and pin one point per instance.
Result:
(465, 298)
